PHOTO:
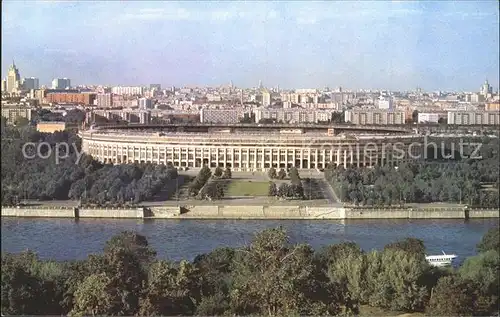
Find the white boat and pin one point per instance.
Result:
(441, 260)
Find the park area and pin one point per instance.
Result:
(246, 187)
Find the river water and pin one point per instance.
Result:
(66, 239)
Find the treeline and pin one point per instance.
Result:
(77, 176)
(473, 182)
(75, 116)
(294, 190)
(202, 188)
(270, 276)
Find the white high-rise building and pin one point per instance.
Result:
(104, 100)
(266, 98)
(145, 103)
(61, 83)
(385, 103)
(121, 90)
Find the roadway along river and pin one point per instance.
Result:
(64, 239)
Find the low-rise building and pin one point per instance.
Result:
(428, 117)
(50, 126)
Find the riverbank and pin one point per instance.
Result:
(253, 212)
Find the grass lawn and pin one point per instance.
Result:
(247, 188)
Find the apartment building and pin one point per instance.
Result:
(429, 117)
(145, 103)
(293, 115)
(11, 113)
(129, 90)
(104, 100)
(474, 117)
(129, 115)
(77, 98)
(221, 115)
(61, 83)
(492, 106)
(374, 117)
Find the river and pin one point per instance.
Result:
(66, 239)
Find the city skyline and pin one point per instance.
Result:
(378, 45)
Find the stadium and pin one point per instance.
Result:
(252, 147)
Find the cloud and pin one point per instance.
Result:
(306, 20)
(150, 14)
(238, 11)
(59, 51)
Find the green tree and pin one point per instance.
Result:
(294, 175)
(227, 173)
(409, 245)
(283, 190)
(218, 172)
(282, 174)
(452, 296)
(133, 243)
(273, 190)
(396, 280)
(272, 173)
(273, 278)
(414, 116)
(483, 270)
(490, 241)
(21, 121)
(170, 290)
(95, 296)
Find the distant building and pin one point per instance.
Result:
(76, 98)
(266, 98)
(13, 78)
(476, 98)
(61, 83)
(474, 117)
(213, 98)
(4, 85)
(155, 86)
(127, 90)
(221, 115)
(486, 89)
(104, 100)
(374, 117)
(428, 118)
(50, 127)
(12, 113)
(492, 106)
(131, 116)
(30, 83)
(293, 115)
(145, 103)
(385, 103)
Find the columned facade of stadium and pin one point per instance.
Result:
(250, 152)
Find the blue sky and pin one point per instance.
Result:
(373, 44)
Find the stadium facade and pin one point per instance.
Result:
(251, 149)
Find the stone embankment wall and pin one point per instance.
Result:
(252, 212)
